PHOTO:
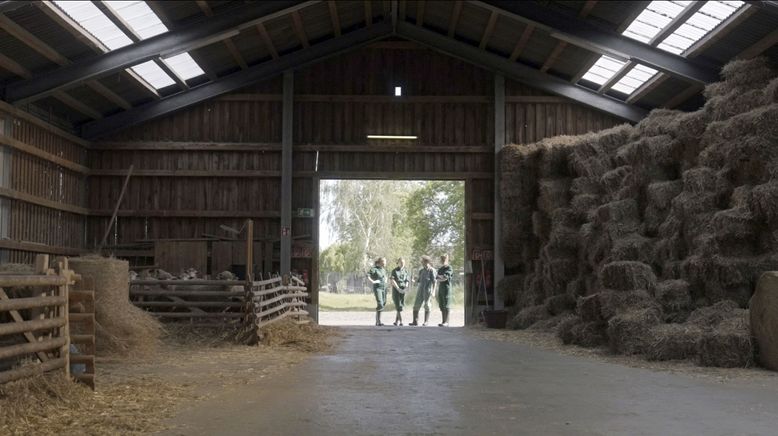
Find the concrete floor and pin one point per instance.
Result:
(444, 381)
(354, 318)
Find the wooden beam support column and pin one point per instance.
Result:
(499, 142)
(286, 172)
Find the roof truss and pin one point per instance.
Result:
(587, 34)
(195, 35)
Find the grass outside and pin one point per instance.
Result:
(330, 302)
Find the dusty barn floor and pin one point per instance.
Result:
(434, 381)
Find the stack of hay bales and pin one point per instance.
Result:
(121, 329)
(637, 229)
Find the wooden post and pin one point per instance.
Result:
(314, 278)
(63, 312)
(249, 251)
(499, 142)
(286, 173)
(115, 209)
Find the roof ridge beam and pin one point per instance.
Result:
(170, 43)
(520, 72)
(592, 36)
(237, 80)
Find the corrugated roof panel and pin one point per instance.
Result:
(603, 69)
(710, 15)
(282, 34)
(472, 22)
(138, 16)
(50, 32)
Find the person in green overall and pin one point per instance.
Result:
(377, 276)
(425, 290)
(400, 282)
(444, 289)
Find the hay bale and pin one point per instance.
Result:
(658, 122)
(553, 194)
(620, 211)
(583, 333)
(763, 317)
(761, 121)
(511, 289)
(764, 201)
(634, 247)
(751, 158)
(586, 186)
(560, 304)
(672, 342)
(729, 344)
(771, 92)
(733, 226)
(589, 308)
(552, 324)
(612, 303)
(673, 295)
(628, 276)
(710, 316)
(741, 75)
(528, 316)
(660, 194)
(541, 225)
(585, 206)
(629, 333)
(121, 328)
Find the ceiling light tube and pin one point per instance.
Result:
(392, 137)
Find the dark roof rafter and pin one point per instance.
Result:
(240, 79)
(587, 34)
(519, 72)
(195, 35)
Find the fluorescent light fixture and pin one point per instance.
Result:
(392, 137)
(398, 91)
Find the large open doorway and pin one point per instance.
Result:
(362, 220)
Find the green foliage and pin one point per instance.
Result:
(387, 218)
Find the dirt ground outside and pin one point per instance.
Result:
(456, 318)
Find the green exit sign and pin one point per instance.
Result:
(305, 212)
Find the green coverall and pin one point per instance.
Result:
(400, 276)
(379, 289)
(423, 294)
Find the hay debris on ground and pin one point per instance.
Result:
(287, 333)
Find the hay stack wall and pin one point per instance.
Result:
(650, 238)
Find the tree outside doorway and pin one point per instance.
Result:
(362, 220)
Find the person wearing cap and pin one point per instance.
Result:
(377, 276)
(425, 290)
(443, 278)
(400, 282)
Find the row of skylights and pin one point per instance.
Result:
(144, 23)
(647, 26)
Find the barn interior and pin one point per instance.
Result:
(161, 173)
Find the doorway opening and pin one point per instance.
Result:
(363, 220)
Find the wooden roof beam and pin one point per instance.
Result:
(49, 53)
(93, 43)
(333, 7)
(488, 30)
(170, 43)
(726, 26)
(237, 80)
(267, 41)
(368, 12)
(452, 22)
(228, 42)
(588, 34)
(666, 31)
(560, 46)
(519, 72)
(522, 42)
(299, 29)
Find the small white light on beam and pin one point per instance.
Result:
(398, 91)
(392, 137)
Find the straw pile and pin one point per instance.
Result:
(644, 228)
(121, 329)
(286, 333)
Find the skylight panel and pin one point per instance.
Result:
(153, 74)
(650, 23)
(603, 69)
(698, 25)
(139, 17)
(634, 79)
(184, 66)
(146, 24)
(95, 22)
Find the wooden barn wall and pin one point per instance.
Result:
(219, 162)
(43, 183)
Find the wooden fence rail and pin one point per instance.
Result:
(34, 320)
(270, 301)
